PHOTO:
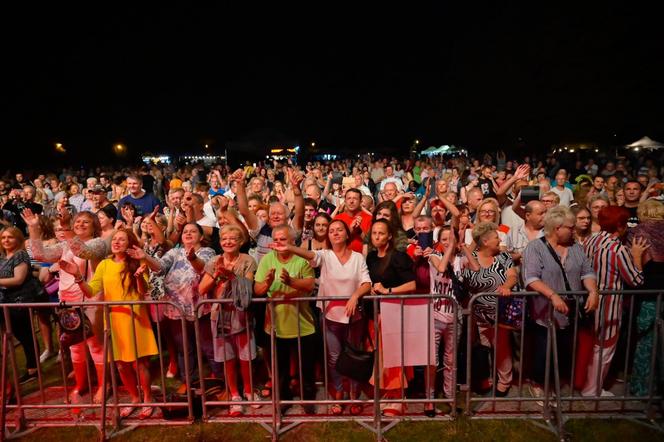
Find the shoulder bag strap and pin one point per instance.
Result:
(560, 264)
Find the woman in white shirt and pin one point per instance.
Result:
(343, 273)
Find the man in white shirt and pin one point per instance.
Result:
(390, 178)
(564, 193)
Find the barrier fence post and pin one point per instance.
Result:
(20, 415)
(657, 325)
(377, 374)
(3, 377)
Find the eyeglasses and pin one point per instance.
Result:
(487, 212)
(548, 201)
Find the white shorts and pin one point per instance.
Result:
(232, 346)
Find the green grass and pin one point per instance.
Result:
(459, 431)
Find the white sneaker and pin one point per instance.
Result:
(255, 397)
(236, 410)
(604, 393)
(47, 354)
(538, 392)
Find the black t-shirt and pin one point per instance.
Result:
(633, 219)
(148, 183)
(398, 271)
(486, 186)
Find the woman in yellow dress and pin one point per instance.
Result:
(122, 278)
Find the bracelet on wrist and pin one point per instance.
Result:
(79, 279)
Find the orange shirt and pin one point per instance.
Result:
(356, 242)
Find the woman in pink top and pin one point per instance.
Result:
(343, 273)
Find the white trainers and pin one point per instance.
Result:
(537, 392)
(47, 354)
(236, 410)
(604, 393)
(255, 397)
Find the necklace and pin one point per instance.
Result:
(230, 263)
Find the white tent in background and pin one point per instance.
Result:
(646, 143)
(429, 150)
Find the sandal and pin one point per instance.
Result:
(356, 409)
(146, 412)
(266, 390)
(336, 409)
(75, 399)
(126, 411)
(429, 410)
(393, 410)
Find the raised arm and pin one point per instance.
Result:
(242, 202)
(298, 219)
(39, 250)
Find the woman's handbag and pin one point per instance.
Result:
(356, 363)
(75, 326)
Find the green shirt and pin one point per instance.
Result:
(286, 312)
(417, 170)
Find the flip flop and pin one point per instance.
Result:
(126, 411)
(146, 412)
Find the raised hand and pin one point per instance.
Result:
(154, 213)
(127, 215)
(238, 176)
(180, 221)
(522, 172)
(136, 253)
(30, 218)
(69, 267)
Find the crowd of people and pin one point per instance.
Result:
(346, 229)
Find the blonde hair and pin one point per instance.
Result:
(496, 207)
(482, 229)
(651, 210)
(232, 228)
(17, 234)
(556, 217)
(554, 195)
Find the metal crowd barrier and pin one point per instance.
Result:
(559, 404)
(44, 406)
(49, 406)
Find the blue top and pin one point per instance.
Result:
(144, 205)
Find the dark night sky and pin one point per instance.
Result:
(173, 79)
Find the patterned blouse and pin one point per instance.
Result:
(181, 282)
(487, 279)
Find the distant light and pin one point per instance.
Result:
(596, 150)
(206, 146)
(571, 150)
(636, 149)
(60, 148)
(417, 141)
(313, 144)
(119, 148)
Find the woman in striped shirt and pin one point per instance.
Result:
(615, 264)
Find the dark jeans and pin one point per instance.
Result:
(286, 348)
(565, 345)
(20, 319)
(205, 338)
